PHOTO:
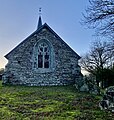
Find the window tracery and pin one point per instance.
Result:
(43, 55)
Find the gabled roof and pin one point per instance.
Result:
(37, 31)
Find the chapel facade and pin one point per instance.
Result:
(42, 59)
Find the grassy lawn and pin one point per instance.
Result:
(49, 103)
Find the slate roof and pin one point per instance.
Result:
(37, 31)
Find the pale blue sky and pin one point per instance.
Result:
(18, 19)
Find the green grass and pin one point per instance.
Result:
(49, 103)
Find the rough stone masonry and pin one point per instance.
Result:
(42, 59)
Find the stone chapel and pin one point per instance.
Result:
(42, 59)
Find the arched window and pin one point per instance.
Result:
(43, 57)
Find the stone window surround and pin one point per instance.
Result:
(35, 57)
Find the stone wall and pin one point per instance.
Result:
(20, 70)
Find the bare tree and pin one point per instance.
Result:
(100, 56)
(100, 16)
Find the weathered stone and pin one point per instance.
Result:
(84, 88)
(22, 67)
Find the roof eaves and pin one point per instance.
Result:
(46, 25)
(38, 30)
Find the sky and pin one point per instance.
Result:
(19, 18)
